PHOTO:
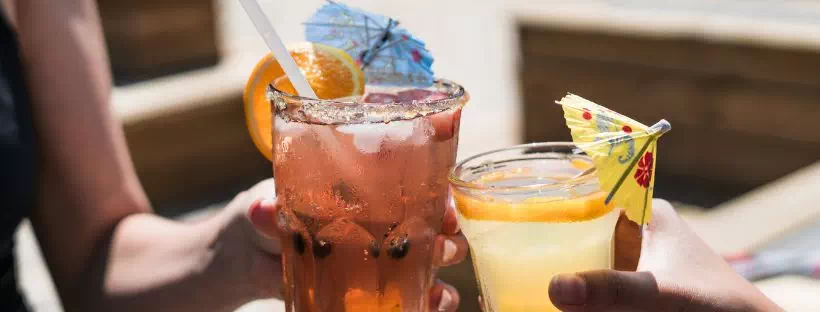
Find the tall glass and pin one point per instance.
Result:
(530, 212)
(363, 188)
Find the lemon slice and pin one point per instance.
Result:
(331, 72)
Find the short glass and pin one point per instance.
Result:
(363, 189)
(530, 212)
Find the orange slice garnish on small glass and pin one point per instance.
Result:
(331, 72)
(482, 202)
(536, 209)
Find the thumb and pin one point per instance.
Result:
(605, 290)
(262, 215)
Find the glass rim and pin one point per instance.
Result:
(586, 177)
(340, 111)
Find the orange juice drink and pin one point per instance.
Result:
(530, 212)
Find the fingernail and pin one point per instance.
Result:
(446, 301)
(253, 210)
(450, 250)
(257, 212)
(568, 290)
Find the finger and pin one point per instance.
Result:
(450, 225)
(443, 297)
(627, 241)
(262, 214)
(663, 215)
(264, 189)
(604, 290)
(450, 249)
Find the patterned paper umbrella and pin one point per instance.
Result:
(624, 152)
(387, 52)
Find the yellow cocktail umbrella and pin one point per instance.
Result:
(624, 152)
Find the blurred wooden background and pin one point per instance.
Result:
(150, 38)
(741, 115)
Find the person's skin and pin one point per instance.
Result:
(105, 248)
(677, 271)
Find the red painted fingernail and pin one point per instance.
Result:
(253, 210)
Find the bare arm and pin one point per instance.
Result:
(105, 249)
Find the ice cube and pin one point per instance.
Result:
(345, 239)
(289, 128)
(398, 130)
(368, 138)
(346, 256)
(413, 233)
(423, 130)
(288, 223)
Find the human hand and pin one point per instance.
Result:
(677, 271)
(450, 247)
(253, 256)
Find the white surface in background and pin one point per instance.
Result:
(762, 214)
(792, 293)
(35, 282)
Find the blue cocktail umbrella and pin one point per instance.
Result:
(387, 52)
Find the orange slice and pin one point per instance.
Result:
(536, 209)
(363, 301)
(331, 72)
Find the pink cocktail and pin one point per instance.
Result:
(363, 187)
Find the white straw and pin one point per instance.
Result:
(277, 47)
